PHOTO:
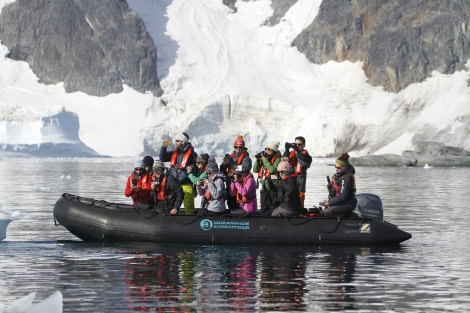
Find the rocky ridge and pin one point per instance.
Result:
(400, 42)
(91, 46)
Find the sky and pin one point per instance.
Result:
(225, 74)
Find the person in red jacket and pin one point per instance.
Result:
(138, 187)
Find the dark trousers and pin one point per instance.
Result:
(268, 201)
(338, 210)
(232, 202)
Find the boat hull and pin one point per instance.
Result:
(93, 220)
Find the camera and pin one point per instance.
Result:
(260, 154)
(134, 181)
(292, 145)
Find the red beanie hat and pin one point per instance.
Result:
(239, 141)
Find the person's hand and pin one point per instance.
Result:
(326, 203)
(174, 211)
(166, 143)
(189, 169)
(237, 177)
(227, 159)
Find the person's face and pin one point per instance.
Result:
(148, 168)
(179, 143)
(338, 167)
(157, 172)
(299, 144)
(200, 165)
(138, 170)
(268, 150)
(238, 148)
(282, 174)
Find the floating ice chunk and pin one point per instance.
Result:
(3, 228)
(52, 304)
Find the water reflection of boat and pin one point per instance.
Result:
(92, 220)
(243, 278)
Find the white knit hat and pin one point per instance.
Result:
(273, 145)
(181, 137)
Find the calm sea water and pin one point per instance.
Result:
(429, 273)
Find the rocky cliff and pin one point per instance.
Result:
(91, 46)
(400, 42)
(95, 46)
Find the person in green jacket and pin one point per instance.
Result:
(266, 166)
(197, 175)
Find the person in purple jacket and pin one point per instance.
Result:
(243, 187)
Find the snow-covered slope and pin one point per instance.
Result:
(225, 74)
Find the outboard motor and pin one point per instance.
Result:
(369, 206)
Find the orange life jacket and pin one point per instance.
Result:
(294, 163)
(240, 198)
(337, 187)
(240, 157)
(184, 160)
(161, 190)
(264, 172)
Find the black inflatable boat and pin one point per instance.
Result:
(98, 220)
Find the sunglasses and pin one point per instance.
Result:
(177, 140)
(338, 167)
(238, 147)
(268, 149)
(299, 144)
(199, 162)
(282, 172)
(139, 169)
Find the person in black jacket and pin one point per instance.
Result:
(342, 199)
(288, 191)
(300, 161)
(166, 190)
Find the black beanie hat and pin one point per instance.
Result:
(148, 160)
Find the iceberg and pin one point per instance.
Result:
(52, 304)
